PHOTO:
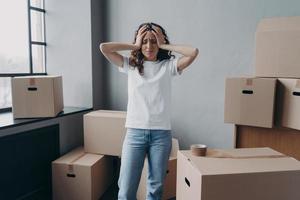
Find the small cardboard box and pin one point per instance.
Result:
(250, 101)
(37, 96)
(288, 105)
(247, 174)
(79, 175)
(278, 47)
(104, 132)
(169, 190)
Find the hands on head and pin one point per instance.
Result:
(155, 30)
(160, 38)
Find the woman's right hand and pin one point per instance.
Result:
(140, 35)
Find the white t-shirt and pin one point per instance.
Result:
(149, 96)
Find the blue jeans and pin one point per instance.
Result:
(138, 143)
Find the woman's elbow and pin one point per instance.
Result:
(195, 52)
(102, 47)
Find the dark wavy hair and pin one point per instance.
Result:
(137, 58)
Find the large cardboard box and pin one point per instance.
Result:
(169, 190)
(79, 175)
(288, 105)
(104, 132)
(37, 96)
(247, 174)
(250, 101)
(278, 47)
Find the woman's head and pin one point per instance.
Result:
(149, 47)
(149, 50)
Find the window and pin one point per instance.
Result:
(23, 43)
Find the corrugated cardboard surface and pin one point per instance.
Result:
(104, 132)
(169, 190)
(288, 105)
(58, 95)
(37, 96)
(278, 47)
(78, 175)
(250, 101)
(254, 173)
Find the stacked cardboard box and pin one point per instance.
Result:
(80, 175)
(87, 172)
(288, 106)
(254, 173)
(37, 96)
(271, 98)
(254, 101)
(104, 132)
(277, 47)
(250, 101)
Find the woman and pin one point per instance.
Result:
(150, 69)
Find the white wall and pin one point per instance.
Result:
(68, 35)
(224, 33)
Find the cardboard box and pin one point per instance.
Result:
(79, 175)
(169, 190)
(104, 132)
(250, 101)
(288, 105)
(278, 47)
(247, 174)
(37, 96)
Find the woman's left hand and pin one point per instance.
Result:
(160, 38)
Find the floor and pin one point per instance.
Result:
(112, 193)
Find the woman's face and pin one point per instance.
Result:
(150, 47)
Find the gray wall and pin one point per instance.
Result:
(99, 66)
(224, 33)
(68, 35)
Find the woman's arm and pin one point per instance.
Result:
(189, 53)
(110, 49)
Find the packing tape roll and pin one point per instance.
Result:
(198, 149)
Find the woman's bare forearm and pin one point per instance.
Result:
(109, 47)
(181, 49)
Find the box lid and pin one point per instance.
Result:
(40, 76)
(78, 157)
(107, 113)
(70, 156)
(245, 160)
(88, 159)
(279, 24)
(251, 81)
